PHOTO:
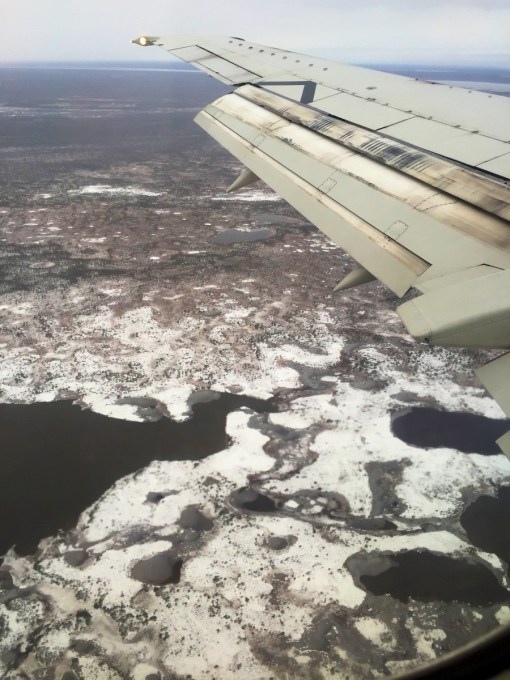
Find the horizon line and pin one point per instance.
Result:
(185, 65)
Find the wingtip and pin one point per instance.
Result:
(143, 41)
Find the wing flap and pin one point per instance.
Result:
(498, 166)
(213, 56)
(470, 148)
(191, 54)
(225, 70)
(437, 229)
(496, 377)
(469, 313)
(483, 192)
(270, 159)
(371, 115)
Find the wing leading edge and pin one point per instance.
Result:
(416, 193)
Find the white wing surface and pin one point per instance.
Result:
(410, 177)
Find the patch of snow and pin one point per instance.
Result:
(108, 190)
(255, 196)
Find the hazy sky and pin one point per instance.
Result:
(355, 30)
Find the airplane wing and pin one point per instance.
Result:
(410, 177)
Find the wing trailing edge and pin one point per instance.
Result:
(264, 143)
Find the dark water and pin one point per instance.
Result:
(487, 523)
(158, 570)
(165, 568)
(57, 459)
(277, 543)
(238, 236)
(249, 499)
(428, 577)
(430, 428)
